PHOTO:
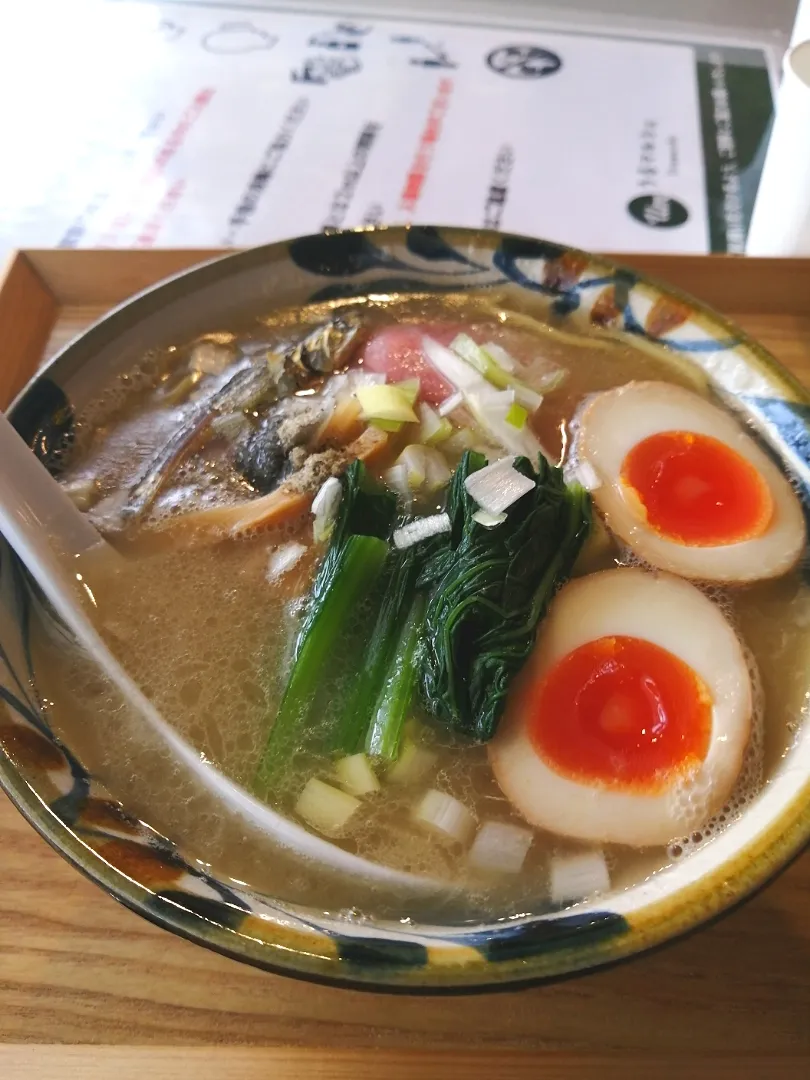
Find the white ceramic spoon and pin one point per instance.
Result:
(53, 538)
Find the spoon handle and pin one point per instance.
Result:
(35, 513)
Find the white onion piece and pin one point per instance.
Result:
(450, 404)
(496, 369)
(578, 877)
(437, 469)
(528, 398)
(489, 521)
(325, 808)
(587, 476)
(488, 406)
(500, 848)
(489, 409)
(500, 355)
(325, 507)
(397, 479)
(414, 459)
(418, 468)
(412, 764)
(444, 816)
(431, 425)
(498, 486)
(283, 559)
(355, 775)
(457, 371)
(421, 529)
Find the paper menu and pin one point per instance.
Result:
(177, 126)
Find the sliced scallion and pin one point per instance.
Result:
(386, 403)
(516, 416)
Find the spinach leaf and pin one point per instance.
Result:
(491, 587)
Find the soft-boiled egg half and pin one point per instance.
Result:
(686, 488)
(631, 719)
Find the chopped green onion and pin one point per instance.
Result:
(355, 775)
(433, 428)
(578, 877)
(397, 479)
(410, 388)
(496, 487)
(516, 415)
(413, 458)
(418, 468)
(489, 410)
(454, 368)
(325, 508)
(464, 346)
(421, 529)
(483, 362)
(444, 816)
(383, 402)
(489, 521)
(325, 808)
(412, 764)
(529, 398)
(461, 440)
(450, 404)
(500, 355)
(500, 848)
(442, 432)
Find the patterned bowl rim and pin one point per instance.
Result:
(590, 946)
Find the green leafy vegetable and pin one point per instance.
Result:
(490, 588)
(385, 733)
(398, 584)
(347, 576)
(456, 615)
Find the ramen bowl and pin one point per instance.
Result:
(150, 873)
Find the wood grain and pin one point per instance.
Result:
(769, 286)
(729, 283)
(109, 277)
(288, 1063)
(27, 313)
(77, 968)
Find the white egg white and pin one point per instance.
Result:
(615, 421)
(677, 617)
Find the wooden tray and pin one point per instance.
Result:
(732, 1000)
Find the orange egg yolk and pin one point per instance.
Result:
(620, 712)
(696, 490)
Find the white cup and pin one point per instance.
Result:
(780, 224)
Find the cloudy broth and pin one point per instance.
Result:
(209, 639)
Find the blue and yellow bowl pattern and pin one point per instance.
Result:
(145, 870)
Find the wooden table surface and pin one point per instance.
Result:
(75, 967)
